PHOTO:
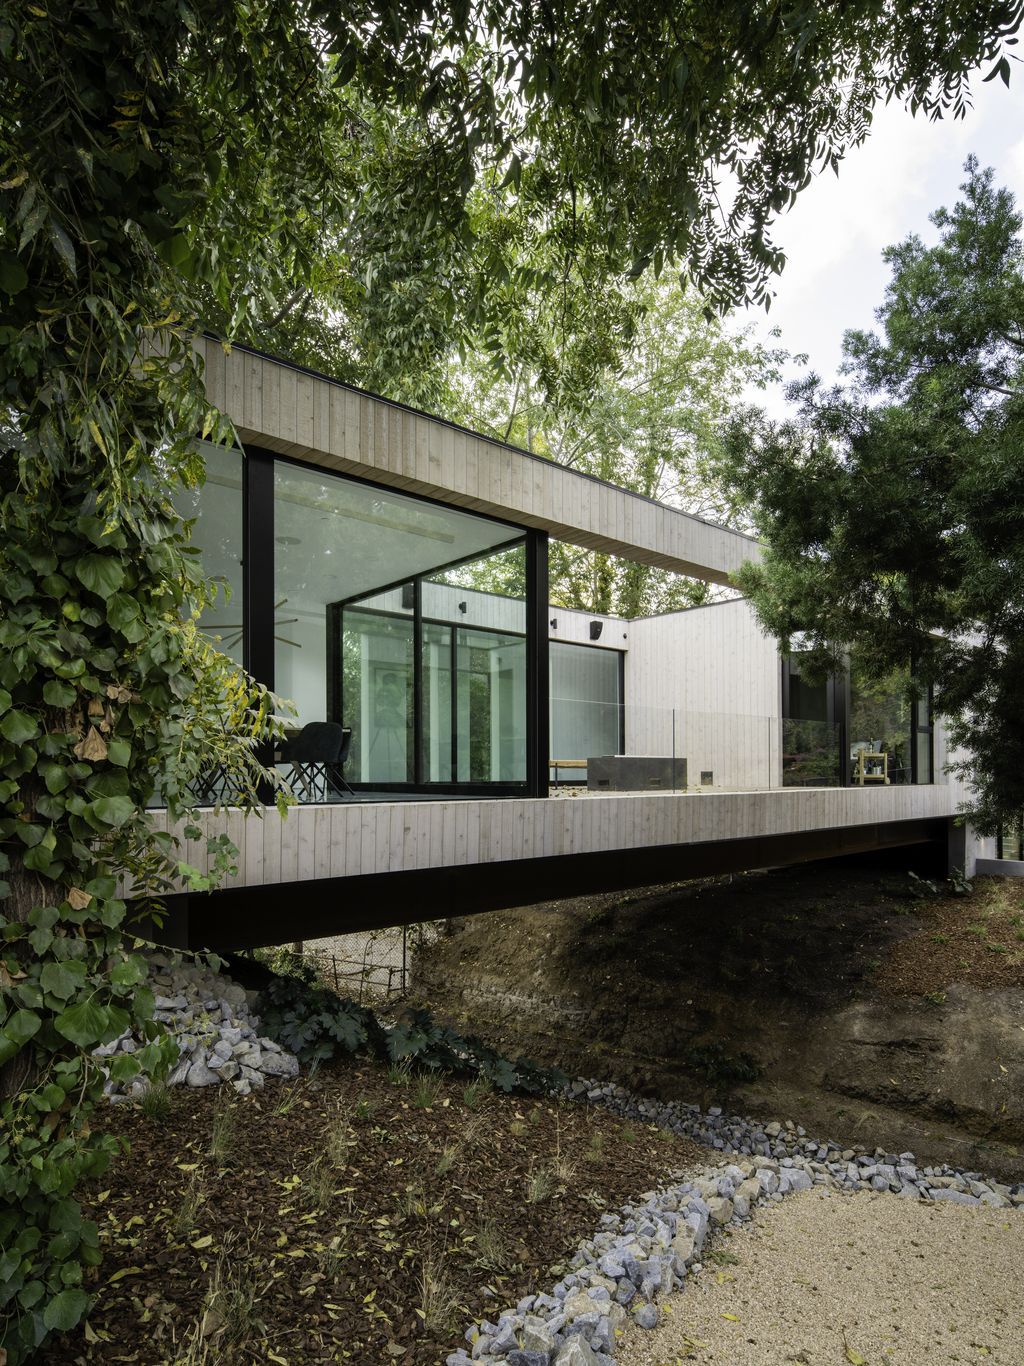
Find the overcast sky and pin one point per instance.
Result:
(833, 238)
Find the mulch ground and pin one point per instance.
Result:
(356, 1215)
(977, 940)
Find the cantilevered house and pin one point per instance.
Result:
(389, 575)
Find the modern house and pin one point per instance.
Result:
(389, 574)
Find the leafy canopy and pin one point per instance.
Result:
(892, 506)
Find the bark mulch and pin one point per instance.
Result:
(977, 940)
(357, 1215)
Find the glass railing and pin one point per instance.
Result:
(811, 754)
(595, 745)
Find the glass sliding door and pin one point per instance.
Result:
(437, 702)
(491, 709)
(379, 691)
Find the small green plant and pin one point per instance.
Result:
(629, 1135)
(959, 883)
(595, 1147)
(721, 1257)
(993, 947)
(183, 1217)
(155, 1102)
(426, 1090)
(330, 1258)
(476, 1093)
(439, 1306)
(940, 938)
(339, 1140)
(935, 998)
(922, 887)
(399, 1073)
(223, 1132)
(229, 1321)
(979, 931)
(317, 1189)
(363, 1109)
(540, 1186)
(288, 1100)
(492, 1250)
(517, 1128)
(446, 1161)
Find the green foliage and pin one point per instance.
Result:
(891, 506)
(652, 422)
(316, 1024)
(165, 166)
(721, 1068)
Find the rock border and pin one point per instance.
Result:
(642, 1253)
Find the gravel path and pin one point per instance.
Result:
(827, 1279)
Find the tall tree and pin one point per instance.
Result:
(653, 423)
(168, 164)
(892, 507)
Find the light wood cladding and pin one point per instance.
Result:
(321, 422)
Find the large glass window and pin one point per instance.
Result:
(217, 511)
(336, 540)
(586, 706)
(811, 752)
(881, 727)
(433, 675)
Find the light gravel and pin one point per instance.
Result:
(826, 1278)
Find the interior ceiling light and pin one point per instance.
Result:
(287, 540)
(233, 632)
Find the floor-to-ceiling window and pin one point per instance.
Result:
(586, 706)
(855, 728)
(811, 728)
(432, 675)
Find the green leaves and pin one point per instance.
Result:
(18, 727)
(65, 1310)
(85, 1024)
(101, 574)
(63, 979)
(19, 1027)
(112, 811)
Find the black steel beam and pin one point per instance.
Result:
(248, 917)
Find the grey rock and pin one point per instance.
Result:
(201, 1075)
(647, 1316)
(577, 1352)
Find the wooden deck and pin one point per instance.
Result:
(360, 839)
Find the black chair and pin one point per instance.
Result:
(317, 756)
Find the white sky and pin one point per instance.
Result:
(833, 237)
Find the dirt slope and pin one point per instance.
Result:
(826, 993)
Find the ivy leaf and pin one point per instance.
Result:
(13, 275)
(128, 972)
(65, 1310)
(84, 1024)
(17, 1031)
(62, 980)
(113, 811)
(119, 752)
(18, 727)
(101, 574)
(57, 694)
